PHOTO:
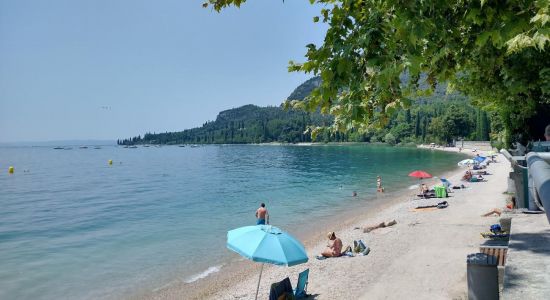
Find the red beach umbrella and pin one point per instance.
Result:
(420, 174)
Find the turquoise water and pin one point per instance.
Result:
(73, 227)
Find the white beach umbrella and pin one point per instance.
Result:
(467, 162)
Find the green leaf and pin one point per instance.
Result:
(342, 66)
(481, 39)
(540, 18)
(540, 40)
(519, 42)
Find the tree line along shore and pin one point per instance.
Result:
(439, 118)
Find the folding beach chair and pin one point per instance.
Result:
(281, 290)
(301, 286)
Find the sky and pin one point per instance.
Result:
(106, 69)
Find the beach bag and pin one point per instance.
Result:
(359, 246)
(348, 249)
(366, 251)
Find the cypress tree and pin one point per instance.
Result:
(417, 125)
(478, 132)
(424, 128)
(484, 126)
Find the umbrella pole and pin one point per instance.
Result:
(259, 278)
(421, 189)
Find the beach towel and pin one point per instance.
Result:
(417, 209)
(425, 196)
(495, 236)
(443, 204)
(390, 223)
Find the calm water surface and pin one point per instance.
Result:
(73, 227)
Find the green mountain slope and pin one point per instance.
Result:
(436, 118)
(246, 124)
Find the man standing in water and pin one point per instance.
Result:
(261, 215)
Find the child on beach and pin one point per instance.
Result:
(379, 187)
(424, 189)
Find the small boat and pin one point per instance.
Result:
(68, 148)
(181, 146)
(97, 147)
(133, 147)
(125, 147)
(146, 146)
(194, 146)
(83, 147)
(58, 148)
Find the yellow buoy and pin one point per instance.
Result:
(110, 161)
(10, 170)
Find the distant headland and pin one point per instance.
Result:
(438, 118)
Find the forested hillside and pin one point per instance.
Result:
(246, 124)
(437, 118)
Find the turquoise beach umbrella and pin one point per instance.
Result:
(479, 158)
(266, 244)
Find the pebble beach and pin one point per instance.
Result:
(423, 255)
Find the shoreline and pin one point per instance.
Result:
(244, 272)
(236, 271)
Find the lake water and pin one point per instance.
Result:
(74, 227)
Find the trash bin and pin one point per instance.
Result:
(440, 191)
(521, 179)
(482, 273)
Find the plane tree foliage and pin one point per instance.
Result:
(495, 52)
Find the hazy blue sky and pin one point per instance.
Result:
(109, 69)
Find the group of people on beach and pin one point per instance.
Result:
(334, 246)
(469, 176)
